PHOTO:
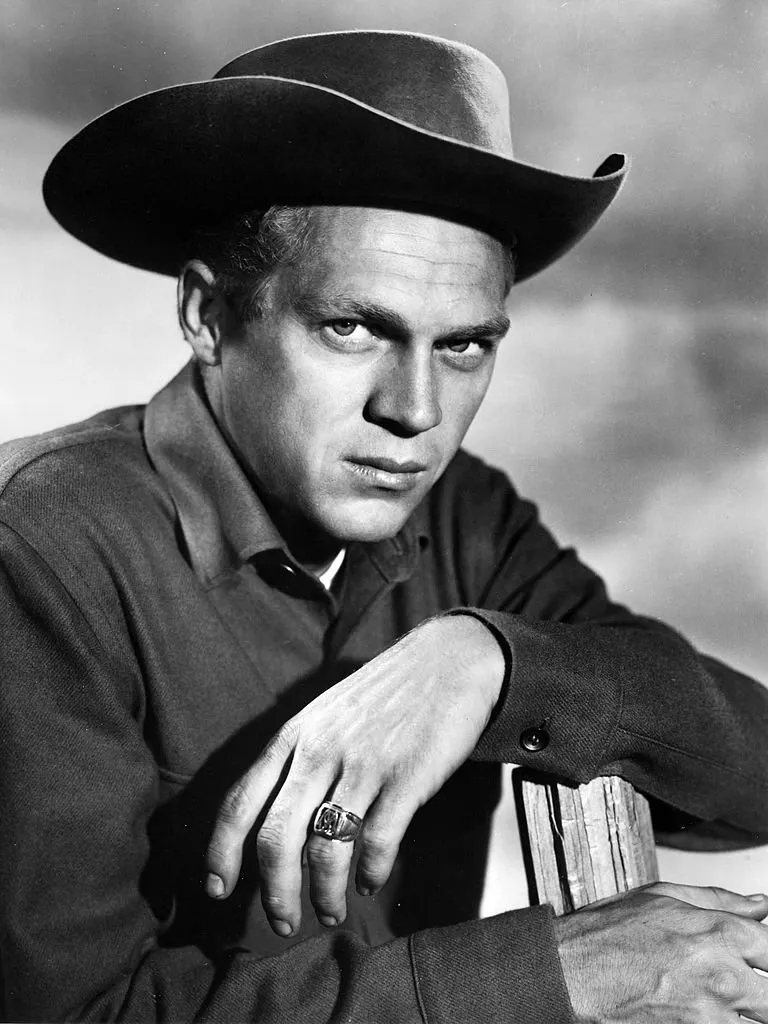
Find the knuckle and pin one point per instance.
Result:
(318, 750)
(734, 933)
(271, 842)
(377, 845)
(322, 856)
(236, 804)
(725, 984)
(284, 740)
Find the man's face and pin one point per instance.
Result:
(351, 393)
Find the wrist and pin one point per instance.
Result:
(475, 650)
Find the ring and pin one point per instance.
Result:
(334, 822)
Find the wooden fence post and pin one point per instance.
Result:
(583, 843)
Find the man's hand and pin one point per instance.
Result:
(667, 954)
(380, 743)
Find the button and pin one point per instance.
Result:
(535, 739)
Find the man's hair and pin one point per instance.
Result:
(246, 251)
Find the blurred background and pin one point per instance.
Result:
(631, 397)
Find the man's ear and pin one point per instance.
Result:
(202, 311)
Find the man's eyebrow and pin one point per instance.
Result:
(391, 323)
(492, 329)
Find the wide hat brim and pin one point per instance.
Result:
(136, 183)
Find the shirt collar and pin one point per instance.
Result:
(223, 521)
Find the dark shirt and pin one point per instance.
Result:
(156, 633)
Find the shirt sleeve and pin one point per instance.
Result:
(611, 692)
(78, 939)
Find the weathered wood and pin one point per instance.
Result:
(584, 843)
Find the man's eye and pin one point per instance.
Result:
(344, 327)
(467, 346)
(348, 335)
(467, 353)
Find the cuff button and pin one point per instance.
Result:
(534, 739)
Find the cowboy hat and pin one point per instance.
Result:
(390, 119)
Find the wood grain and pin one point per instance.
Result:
(583, 843)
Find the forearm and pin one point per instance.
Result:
(499, 970)
(316, 981)
(615, 692)
(633, 699)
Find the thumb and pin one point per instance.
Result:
(712, 897)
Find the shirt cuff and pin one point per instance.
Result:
(498, 970)
(559, 706)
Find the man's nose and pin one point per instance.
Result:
(406, 398)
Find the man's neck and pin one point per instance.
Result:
(311, 547)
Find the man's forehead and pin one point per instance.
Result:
(413, 246)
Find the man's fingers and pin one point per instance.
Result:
(733, 988)
(279, 847)
(745, 940)
(715, 898)
(741, 940)
(330, 860)
(753, 1003)
(240, 809)
(383, 832)
(384, 825)
(329, 863)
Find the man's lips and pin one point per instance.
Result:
(389, 465)
(386, 474)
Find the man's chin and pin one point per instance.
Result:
(367, 522)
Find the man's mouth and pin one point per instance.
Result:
(389, 474)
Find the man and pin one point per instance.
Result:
(278, 609)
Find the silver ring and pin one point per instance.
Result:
(334, 822)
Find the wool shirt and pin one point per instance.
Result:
(157, 633)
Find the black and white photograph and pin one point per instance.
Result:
(383, 489)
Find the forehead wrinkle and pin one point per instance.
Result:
(331, 281)
(448, 281)
(390, 269)
(471, 238)
(422, 271)
(475, 237)
(417, 256)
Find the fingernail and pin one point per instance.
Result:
(364, 890)
(757, 896)
(327, 921)
(282, 928)
(214, 885)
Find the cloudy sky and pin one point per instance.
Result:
(631, 397)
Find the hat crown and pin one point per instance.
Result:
(434, 84)
(383, 119)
